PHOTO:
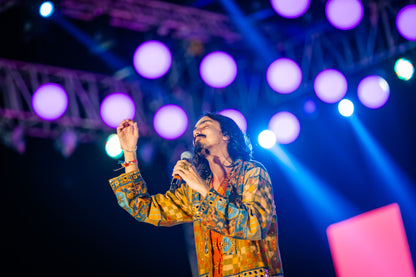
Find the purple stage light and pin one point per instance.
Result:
(330, 85)
(406, 22)
(49, 101)
(309, 106)
(170, 122)
(284, 75)
(290, 8)
(237, 116)
(373, 91)
(218, 69)
(344, 14)
(115, 108)
(286, 127)
(152, 59)
(68, 143)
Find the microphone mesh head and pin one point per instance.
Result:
(186, 156)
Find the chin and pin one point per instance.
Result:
(200, 148)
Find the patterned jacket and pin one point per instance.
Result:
(245, 216)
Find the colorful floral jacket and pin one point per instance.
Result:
(245, 216)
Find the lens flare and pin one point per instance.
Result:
(152, 59)
(346, 107)
(218, 69)
(170, 122)
(267, 139)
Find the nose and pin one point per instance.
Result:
(196, 132)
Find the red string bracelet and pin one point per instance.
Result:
(125, 164)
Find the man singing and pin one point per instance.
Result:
(228, 196)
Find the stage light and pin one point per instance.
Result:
(284, 75)
(218, 69)
(373, 91)
(406, 22)
(344, 14)
(361, 245)
(67, 143)
(49, 101)
(267, 139)
(112, 147)
(152, 59)
(290, 8)
(18, 141)
(309, 106)
(46, 9)
(115, 108)
(346, 108)
(285, 126)
(404, 69)
(330, 85)
(237, 116)
(170, 122)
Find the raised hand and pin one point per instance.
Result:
(128, 134)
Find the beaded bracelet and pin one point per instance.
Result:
(125, 164)
(135, 149)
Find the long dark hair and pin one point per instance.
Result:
(238, 147)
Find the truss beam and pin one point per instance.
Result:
(19, 80)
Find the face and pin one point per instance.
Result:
(207, 134)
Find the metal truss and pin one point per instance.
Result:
(18, 81)
(7, 4)
(318, 47)
(147, 15)
(372, 42)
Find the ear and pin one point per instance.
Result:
(226, 138)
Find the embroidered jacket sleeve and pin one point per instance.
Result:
(161, 209)
(247, 216)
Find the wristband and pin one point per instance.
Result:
(125, 164)
(125, 150)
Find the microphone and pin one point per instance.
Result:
(177, 180)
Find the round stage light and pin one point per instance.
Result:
(373, 91)
(406, 22)
(152, 59)
(170, 122)
(309, 106)
(46, 9)
(404, 69)
(346, 107)
(218, 69)
(112, 147)
(49, 101)
(290, 8)
(285, 126)
(330, 85)
(344, 14)
(267, 139)
(284, 75)
(115, 108)
(237, 116)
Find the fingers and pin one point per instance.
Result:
(128, 125)
(135, 130)
(182, 167)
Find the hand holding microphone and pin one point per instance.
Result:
(177, 179)
(184, 171)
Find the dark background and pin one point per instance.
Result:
(61, 217)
